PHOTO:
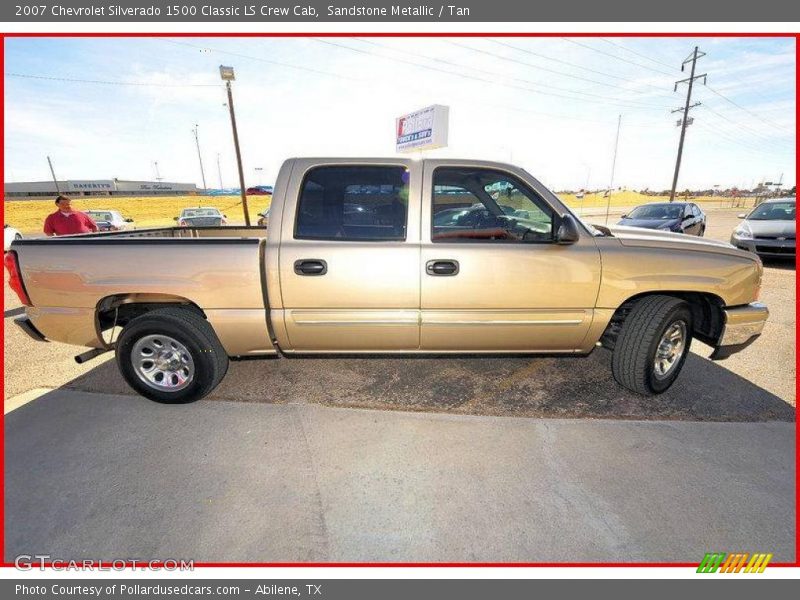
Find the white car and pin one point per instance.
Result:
(9, 235)
(110, 220)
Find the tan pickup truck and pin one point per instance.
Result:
(390, 256)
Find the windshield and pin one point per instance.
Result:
(773, 211)
(200, 212)
(657, 211)
(100, 215)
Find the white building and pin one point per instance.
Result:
(97, 187)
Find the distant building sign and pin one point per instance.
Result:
(424, 129)
(91, 186)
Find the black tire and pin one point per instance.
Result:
(18, 236)
(632, 363)
(190, 329)
(702, 231)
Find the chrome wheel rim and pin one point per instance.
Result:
(162, 363)
(670, 349)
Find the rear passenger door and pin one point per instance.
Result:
(349, 257)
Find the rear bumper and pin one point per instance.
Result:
(743, 325)
(25, 324)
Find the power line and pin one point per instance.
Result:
(102, 82)
(629, 104)
(259, 59)
(527, 64)
(658, 62)
(576, 66)
(617, 57)
(747, 110)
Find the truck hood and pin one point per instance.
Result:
(650, 223)
(636, 236)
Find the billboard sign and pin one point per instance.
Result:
(424, 129)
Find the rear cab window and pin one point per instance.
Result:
(353, 203)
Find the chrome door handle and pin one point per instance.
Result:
(442, 267)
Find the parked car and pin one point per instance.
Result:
(175, 304)
(678, 217)
(769, 229)
(263, 218)
(9, 235)
(201, 217)
(259, 190)
(110, 220)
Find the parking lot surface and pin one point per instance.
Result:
(281, 462)
(757, 384)
(91, 476)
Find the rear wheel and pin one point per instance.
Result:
(171, 355)
(652, 345)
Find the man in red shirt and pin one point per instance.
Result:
(66, 221)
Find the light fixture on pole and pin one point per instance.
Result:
(227, 75)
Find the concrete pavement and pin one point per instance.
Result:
(109, 476)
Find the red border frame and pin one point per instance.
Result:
(796, 36)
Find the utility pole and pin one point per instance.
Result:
(155, 168)
(613, 168)
(227, 75)
(53, 173)
(199, 156)
(219, 172)
(685, 120)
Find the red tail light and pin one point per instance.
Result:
(14, 278)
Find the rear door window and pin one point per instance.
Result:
(353, 203)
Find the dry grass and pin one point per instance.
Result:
(159, 211)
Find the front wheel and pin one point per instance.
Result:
(652, 345)
(171, 355)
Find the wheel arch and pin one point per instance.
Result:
(708, 318)
(120, 309)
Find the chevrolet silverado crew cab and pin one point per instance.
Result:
(389, 256)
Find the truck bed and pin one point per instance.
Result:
(217, 269)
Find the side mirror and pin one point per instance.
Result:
(625, 216)
(568, 232)
(742, 215)
(224, 216)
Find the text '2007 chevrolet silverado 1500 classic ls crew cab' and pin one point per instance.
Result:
(392, 256)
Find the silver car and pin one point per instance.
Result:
(769, 229)
(201, 217)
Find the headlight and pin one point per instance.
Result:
(743, 232)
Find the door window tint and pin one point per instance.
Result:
(480, 205)
(353, 203)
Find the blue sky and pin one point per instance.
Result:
(549, 105)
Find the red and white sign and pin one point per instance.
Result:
(424, 129)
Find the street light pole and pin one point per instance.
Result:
(199, 156)
(53, 173)
(227, 75)
(219, 172)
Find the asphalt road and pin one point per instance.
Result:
(107, 476)
(758, 384)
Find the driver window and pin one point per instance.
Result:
(483, 205)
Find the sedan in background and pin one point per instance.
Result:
(201, 217)
(110, 220)
(678, 217)
(259, 190)
(9, 235)
(769, 229)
